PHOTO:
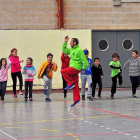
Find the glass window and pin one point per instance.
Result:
(127, 44)
(103, 45)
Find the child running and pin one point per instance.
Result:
(86, 77)
(16, 72)
(3, 76)
(78, 61)
(65, 64)
(134, 71)
(46, 72)
(30, 72)
(97, 76)
(115, 66)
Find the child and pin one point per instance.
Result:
(97, 76)
(115, 66)
(30, 72)
(16, 72)
(3, 76)
(134, 71)
(46, 72)
(86, 77)
(65, 64)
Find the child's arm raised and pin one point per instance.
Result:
(9, 63)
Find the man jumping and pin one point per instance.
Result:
(78, 61)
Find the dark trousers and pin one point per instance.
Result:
(94, 82)
(114, 82)
(135, 80)
(3, 89)
(28, 86)
(14, 78)
(64, 85)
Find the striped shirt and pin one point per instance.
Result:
(134, 66)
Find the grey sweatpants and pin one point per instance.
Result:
(85, 78)
(47, 83)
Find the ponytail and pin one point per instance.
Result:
(14, 49)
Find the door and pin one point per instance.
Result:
(126, 43)
(103, 45)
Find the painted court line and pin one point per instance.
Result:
(102, 110)
(8, 135)
(93, 134)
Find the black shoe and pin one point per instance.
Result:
(65, 95)
(90, 98)
(112, 96)
(83, 97)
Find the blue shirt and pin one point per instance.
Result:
(88, 69)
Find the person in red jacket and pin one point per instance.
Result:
(65, 64)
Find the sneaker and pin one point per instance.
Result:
(26, 99)
(2, 102)
(90, 98)
(83, 97)
(31, 99)
(120, 86)
(15, 97)
(48, 99)
(20, 92)
(69, 87)
(45, 91)
(75, 103)
(65, 95)
(134, 95)
(112, 96)
(99, 96)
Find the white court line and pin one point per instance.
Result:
(8, 135)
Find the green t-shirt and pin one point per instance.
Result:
(114, 72)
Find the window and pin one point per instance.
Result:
(127, 44)
(103, 45)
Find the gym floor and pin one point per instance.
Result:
(109, 119)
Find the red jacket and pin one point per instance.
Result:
(65, 61)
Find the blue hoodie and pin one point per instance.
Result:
(88, 69)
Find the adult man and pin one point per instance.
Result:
(78, 61)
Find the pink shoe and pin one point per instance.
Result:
(20, 92)
(31, 99)
(2, 102)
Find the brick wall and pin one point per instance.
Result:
(78, 14)
(28, 14)
(101, 14)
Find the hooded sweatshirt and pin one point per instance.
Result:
(65, 61)
(4, 71)
(15, 64)
(78, 59)
(29, 72)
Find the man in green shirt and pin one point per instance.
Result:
(78, 61)
(115, 66)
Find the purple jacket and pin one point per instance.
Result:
(4, 71)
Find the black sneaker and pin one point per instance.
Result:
(65, 95)
(83, 97)
(112, 96)
(90, 98)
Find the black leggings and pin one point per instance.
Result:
(28, 85)
(99, 82)
(14, 78)
(135, 80)
(64, 85)
(114, 82)
(3, 89)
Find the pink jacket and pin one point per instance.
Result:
(4, 71)
(15, 64)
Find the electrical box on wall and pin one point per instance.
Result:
(117, 2)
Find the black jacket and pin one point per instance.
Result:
(97, 72)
